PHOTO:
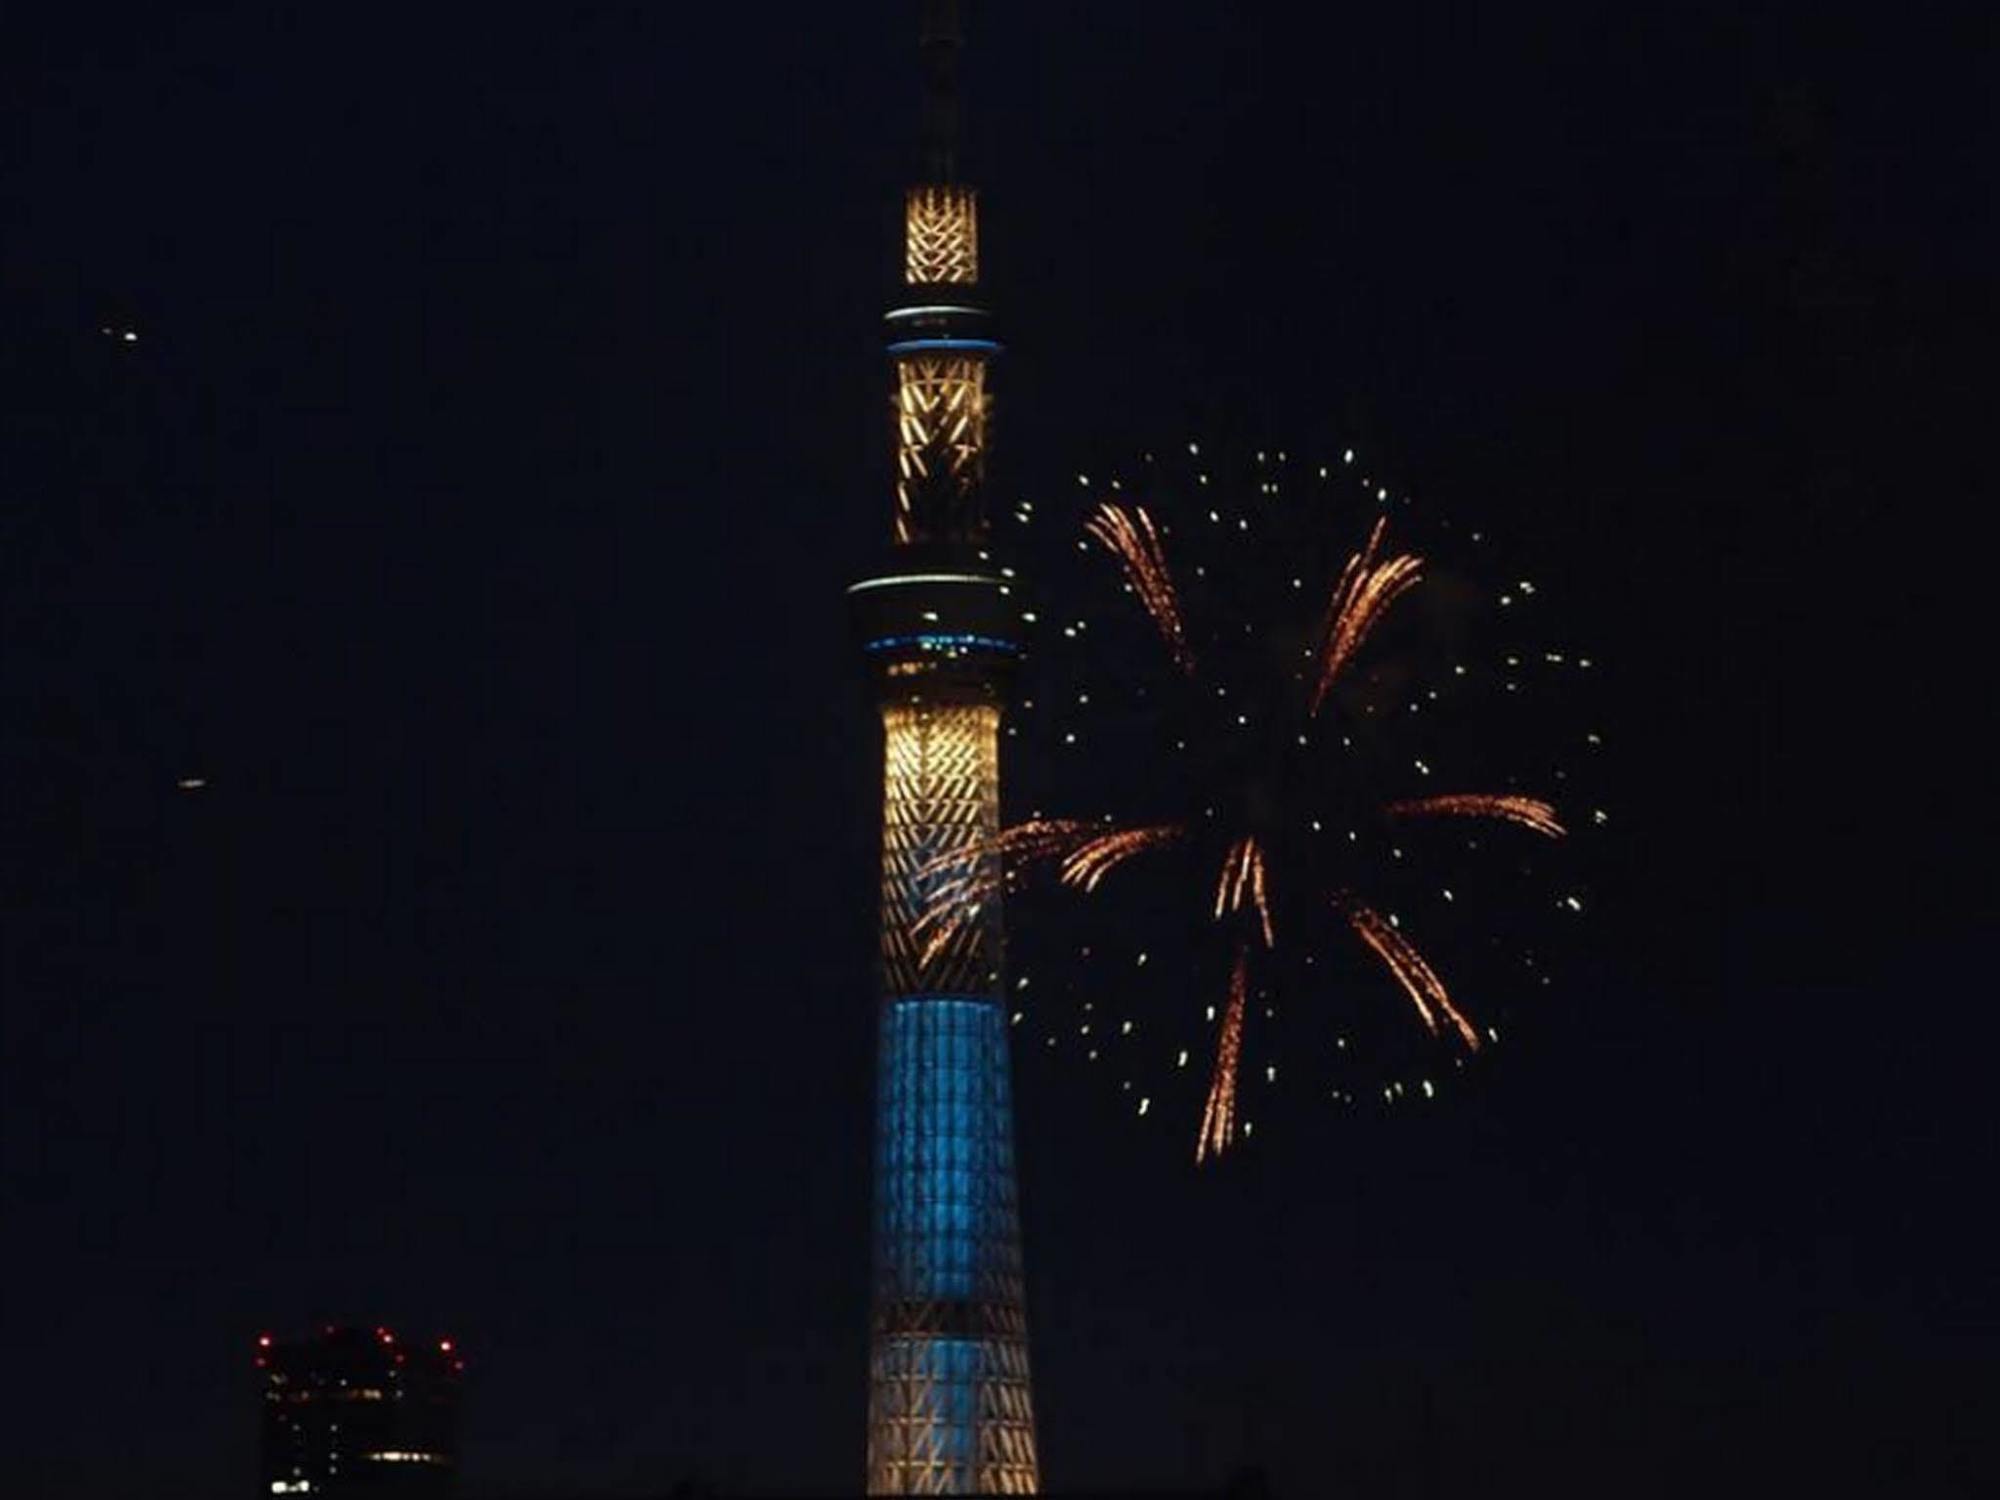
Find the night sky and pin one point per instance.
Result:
(471, 514)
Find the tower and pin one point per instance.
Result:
(949, 1409)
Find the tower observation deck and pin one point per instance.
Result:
(949, 1408)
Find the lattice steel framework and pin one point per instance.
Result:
(949, 1407)
(940, 445)
(941, 236)
(940, 820)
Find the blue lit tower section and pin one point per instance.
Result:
(949, 1409)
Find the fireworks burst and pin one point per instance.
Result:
(1280, 764)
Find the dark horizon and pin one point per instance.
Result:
(469, 516)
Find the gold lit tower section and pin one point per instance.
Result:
(949, 1411)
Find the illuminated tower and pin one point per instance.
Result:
(949, 1411)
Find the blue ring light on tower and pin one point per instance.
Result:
(920, 346)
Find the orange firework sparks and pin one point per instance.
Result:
(1257, 894)
(973, 875)
(1528, 812)
(1365, 591)
(1274, 626)
(980, 870)
(953, 907)
(1021, 845)
(1218, 1117)
(1242, 878)
(1418, 979)
(1044, 838)
(1084, 867)
(975, 879)
(1131, 537)
(939, 940)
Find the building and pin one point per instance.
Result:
(949, 1406)
(353, 1411)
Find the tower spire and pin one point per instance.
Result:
(941, 40)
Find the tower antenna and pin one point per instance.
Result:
(942, 39)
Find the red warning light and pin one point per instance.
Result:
(263, 1341)
(444, 1346)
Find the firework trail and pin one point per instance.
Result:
(1419, 981)
(1218, 1117)
(982, 870)
(1083, 868)
(1132, 539)
(989, 862)
(1528, 812)
(1363, 594)
(987, 868)
(1242, 876)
